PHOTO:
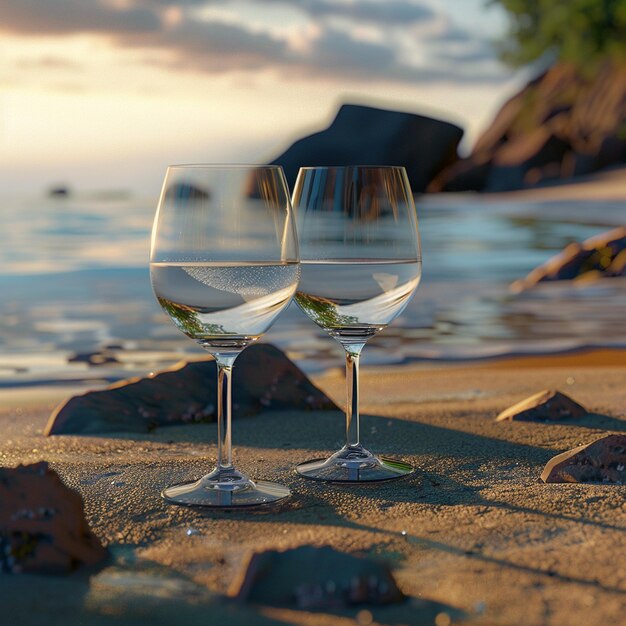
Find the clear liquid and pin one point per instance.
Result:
(224, 306)
(353, 300)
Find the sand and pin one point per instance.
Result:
(474, 535)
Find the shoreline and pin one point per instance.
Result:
(574, 357)
(463, 310)
(609, 184)
(101, 376)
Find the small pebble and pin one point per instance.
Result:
(442, 619)
(192, 531)
(403, 533)
(117, 483)
(589, 600)
(570, 380)
(480, 607)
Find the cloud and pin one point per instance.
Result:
(385, 12)
(215, 46)
(49, 62)
(175, 3)
(333, 51)
(472, 55)
(64, 17)
(329, 47)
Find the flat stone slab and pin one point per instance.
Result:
(42, 524)
(263, 378)
(548, 405)
(315, 578)
(602, 461)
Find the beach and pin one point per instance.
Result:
(415, 210)
(474, 534)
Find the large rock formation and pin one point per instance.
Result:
(42, 524)
(362, 135)
(263, 378)
(562, 124)
(602, 256)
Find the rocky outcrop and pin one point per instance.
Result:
(562, 124)
(315, 578)
(602, 256)
(362, 135)
(545, 406)
(42, 524)
(264, 378)
(602, 461)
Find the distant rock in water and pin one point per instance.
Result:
(97, 358)
(42, 524)
(602, 461)
(562, 124)
(602, 256)
(546, 406)
(264, 378)
(186, 192)
(318, 579)
(362, 135)
(59, 191)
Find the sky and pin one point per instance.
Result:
(104, 94)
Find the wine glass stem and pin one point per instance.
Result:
(224, 410)
(353, 351)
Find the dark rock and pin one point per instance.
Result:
(93, 358)
(263, 378)
(186, 192)
(602, 461)
(362, 135)
(42, 524)
(59, 192)
(601, 256)
(516, 165)
(315, 578)
(545, 406)
(564, 123)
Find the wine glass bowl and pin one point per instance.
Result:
(224, 263)
(360, 265)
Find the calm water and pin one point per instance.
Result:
(74, 280)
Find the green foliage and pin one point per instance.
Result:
(323, 311)
(578, 31)
(187, 320)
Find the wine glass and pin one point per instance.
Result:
(360, 265)
(224, 263)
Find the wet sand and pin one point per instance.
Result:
(473, 534)
(607, 185)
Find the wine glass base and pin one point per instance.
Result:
(225, 490)
(354, 464)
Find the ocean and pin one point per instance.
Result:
(77, 306)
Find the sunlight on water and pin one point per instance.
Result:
(77, 303)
